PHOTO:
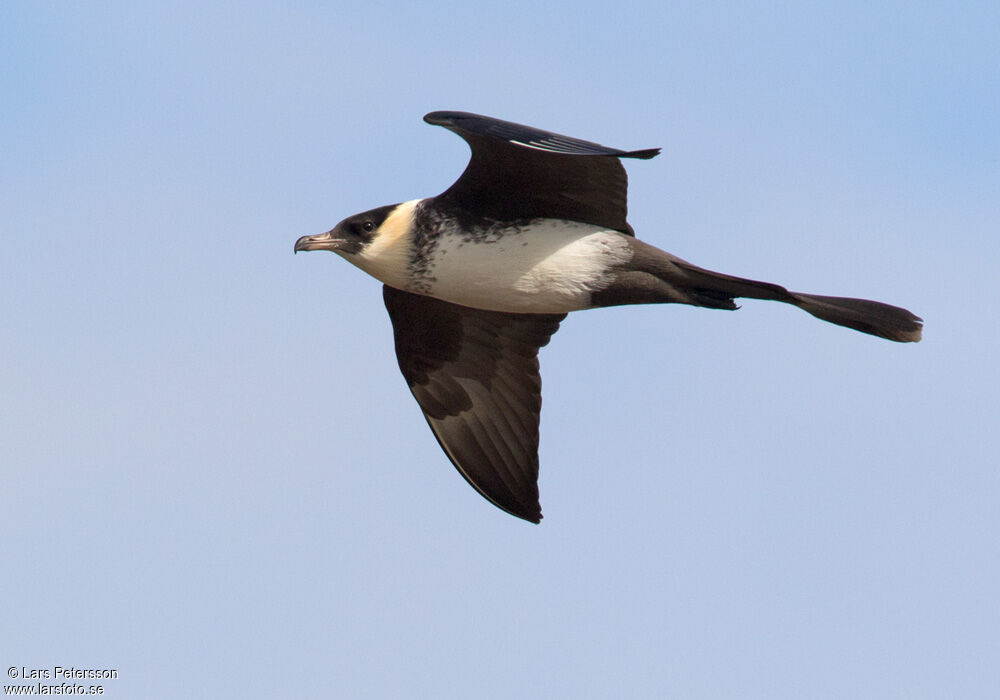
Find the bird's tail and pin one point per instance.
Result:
(714, 289)
(863, 315)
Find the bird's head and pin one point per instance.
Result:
(377, 241)
(350, 236)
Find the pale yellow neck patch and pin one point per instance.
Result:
(397, 225)
(387, 257)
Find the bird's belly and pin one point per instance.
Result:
(547, 266)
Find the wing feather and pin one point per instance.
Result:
(474, 374)
(518, 172)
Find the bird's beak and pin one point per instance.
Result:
(321, 241)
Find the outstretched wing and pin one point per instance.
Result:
(475, 375)
(518, 172)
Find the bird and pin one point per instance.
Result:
(478, 278)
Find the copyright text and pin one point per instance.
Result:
(64, 677)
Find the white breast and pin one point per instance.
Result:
(549, 266)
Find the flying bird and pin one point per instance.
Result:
(478, 278)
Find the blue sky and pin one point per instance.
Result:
(216, 481)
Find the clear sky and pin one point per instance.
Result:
(215, 480)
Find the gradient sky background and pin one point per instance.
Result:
(215, 479)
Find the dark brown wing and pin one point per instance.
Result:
(519, 172)
(475, 375)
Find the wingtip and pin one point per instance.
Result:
(644, 154)
(520, 509)
(533, 519)
(454, 120)
(531, 513)
(443, 117)
(434, 117)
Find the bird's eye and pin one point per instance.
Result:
(368, 226)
